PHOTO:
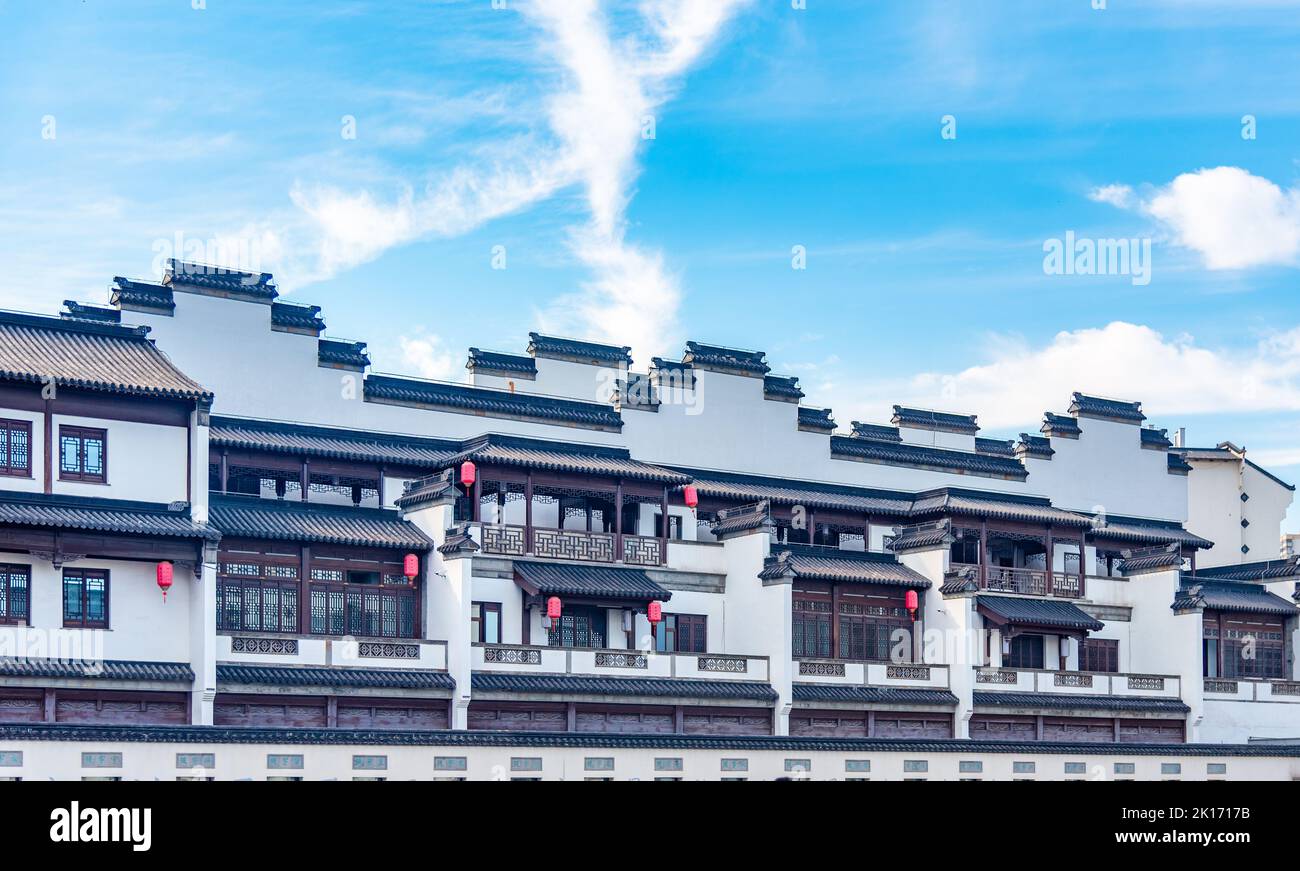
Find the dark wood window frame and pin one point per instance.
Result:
(83, 434)
(15, 595)
(80, 578)
(479, 610)
(1099, 655)
(674, 628)
(1026, 651)
(8, 429)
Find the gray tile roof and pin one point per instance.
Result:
(924, 418)
(637, 391)
(1159, 558)
(1034, 446)
(95, 514)
(244, 735)
(102, 357)
(732, 360)
(505, 450)
(817, 419)
(790, 491)
(1275, 569)
(1139, 531)
(293, 520)
(458, 540)
(557, 347)
(877, 431)
(295, 316)
(595, 581)
(1195, 593)
(1078, 701)
(312, 676)
(305, 440)
(1060, 425)
(1155, 438)
(80, 311)
(498, 363)
(1110, 409)
(1177, 464)
(782, 387)
(845, 566)
(1227, 451)
(220, 278)
(463, 398)
(559, 684)
(132, 295)
(109, 669)
(741, 519)
(923, 457)
(818, 692)
(337, 353)
(948, 500)
(428, 489)
(922, 535)
(1037, 612)
(995, 447)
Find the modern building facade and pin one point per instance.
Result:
(565, 566)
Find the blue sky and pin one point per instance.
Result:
(774, 127)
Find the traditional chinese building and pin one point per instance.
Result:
(563, 566)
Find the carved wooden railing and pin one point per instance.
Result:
(1026, 582)
(573, 544)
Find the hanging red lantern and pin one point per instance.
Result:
(690, 495)
(164, 578)
(467, 474)
(913, 602)
(554, 607)
(654, 612)
(410, 566)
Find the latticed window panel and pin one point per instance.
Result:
(15, 593)
(15, 447)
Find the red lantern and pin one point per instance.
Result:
(554, 607)
(913, 602)
(691, 496)
(410, 566)
(654, 613)
(467, 473)
(164, 578)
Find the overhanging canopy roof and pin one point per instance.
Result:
(287, 520)
(588, 581)
(1041, 613)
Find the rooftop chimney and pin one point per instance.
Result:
(1180, 437)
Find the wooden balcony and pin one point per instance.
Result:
(571, 544)
(1024, 582)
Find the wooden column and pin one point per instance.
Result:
(571, 715)
(663, 538)
(1049, 556)
(225, 472)
(381, 486)
(47, 427)
(528, 517)
(618, 521)
(1083, 560)
(812, 526)
(526, 630)
(304, 479)
(866, 536)
(304, 593)
(475, 494)
(835, 621)
(50, 705)
(984, 553)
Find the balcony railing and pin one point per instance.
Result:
(1024, 680)
(624, 663)
(878, 674)
(572, 544)
(1025, 582)
(1239, 689)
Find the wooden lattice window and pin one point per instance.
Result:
(682, 633)
(85, 598)
(1099, 654)
(15, 594)
(83, 454)
(16, 448)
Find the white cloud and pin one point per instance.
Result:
(611, 79)
(1118, 195)
(1231, 218)
(1124, 360)
(428, 356)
